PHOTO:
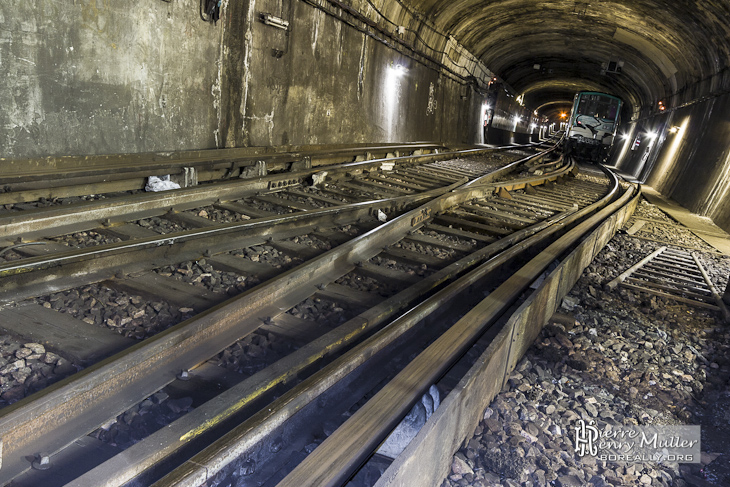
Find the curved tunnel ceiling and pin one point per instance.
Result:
(549, 50)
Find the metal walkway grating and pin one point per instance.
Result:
(673, 274)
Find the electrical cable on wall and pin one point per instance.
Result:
(393, 41)
(419, 38)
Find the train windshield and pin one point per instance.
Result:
(598, 106)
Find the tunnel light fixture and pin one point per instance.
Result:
(674, 129)
(651, 135)
(400, 70)
(273, 21)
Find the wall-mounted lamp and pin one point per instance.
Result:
(277, 22)
(675, 129)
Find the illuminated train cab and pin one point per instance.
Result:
(592, 126)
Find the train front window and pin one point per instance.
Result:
(598, 106)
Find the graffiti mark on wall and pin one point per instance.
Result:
(432, 103)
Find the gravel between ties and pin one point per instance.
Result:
(618, 357)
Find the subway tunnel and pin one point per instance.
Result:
(106, 82)
(101, 77)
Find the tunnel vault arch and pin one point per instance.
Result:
(668, 50)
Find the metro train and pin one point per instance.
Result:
(592, 126)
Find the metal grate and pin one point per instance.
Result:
(673, 274)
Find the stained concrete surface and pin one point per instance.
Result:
(91, 76)
(99, 77)
(542, 49)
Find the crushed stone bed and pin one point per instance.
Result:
(616, 358)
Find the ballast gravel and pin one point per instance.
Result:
(27, 367)
(615, 357)
(129, 315)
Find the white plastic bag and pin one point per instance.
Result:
(155, 183)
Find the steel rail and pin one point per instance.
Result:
(80, 272)
(491, 177)
(120, 165)
(103, 261)
(293, 165)
(208, 463)
(52, 418)
(162, 444)
(341, 454)
(154, 449)
(42, 221)
(249, 226)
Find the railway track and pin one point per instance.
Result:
(71, 177)
(283, 313)
(29, 184)
(104, 213)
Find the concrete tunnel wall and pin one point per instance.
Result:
(102, 76)
(90, 77)
(333, 84)
(689, 161)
